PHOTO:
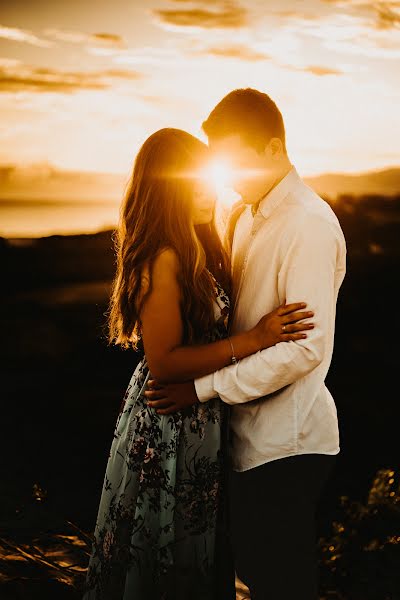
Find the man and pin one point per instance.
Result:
(287, 245)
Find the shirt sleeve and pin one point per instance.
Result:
(308, 273)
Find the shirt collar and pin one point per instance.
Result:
(278, 193)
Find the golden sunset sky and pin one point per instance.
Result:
(84, 82)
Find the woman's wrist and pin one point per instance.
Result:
(257, 339)
(245, 344)
(233, 354)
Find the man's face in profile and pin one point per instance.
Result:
(251, 171)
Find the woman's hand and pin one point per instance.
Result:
(282, 325)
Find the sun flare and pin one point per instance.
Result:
(220, 174)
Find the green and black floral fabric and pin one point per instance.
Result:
(160, 522)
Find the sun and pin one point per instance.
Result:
(221, 175)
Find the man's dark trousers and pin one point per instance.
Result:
(273, 525)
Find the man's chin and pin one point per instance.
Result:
(240, 192)
(249, 195)
(245, 192)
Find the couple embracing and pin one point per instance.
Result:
(227, 433)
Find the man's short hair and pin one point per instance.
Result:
(248, 113)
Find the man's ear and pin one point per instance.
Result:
(276, 147)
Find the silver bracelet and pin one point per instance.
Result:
(233, 359)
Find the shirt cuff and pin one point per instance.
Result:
(204, 387)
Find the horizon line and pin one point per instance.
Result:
(54, 167)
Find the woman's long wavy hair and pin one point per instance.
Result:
(156, 214)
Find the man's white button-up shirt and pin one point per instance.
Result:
(293, 249)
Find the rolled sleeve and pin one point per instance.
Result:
(204, 388)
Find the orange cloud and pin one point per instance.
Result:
(318, 70)
(224, 14)
(16, 34)
(25, 78)
(386, 13)
(237, 51)
(107, 40)
(321, 71)
(121, 74)
(353, 30)
(293, 14)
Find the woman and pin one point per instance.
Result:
(159, 524)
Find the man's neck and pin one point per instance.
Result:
(280, 174)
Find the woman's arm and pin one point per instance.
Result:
(162, 330)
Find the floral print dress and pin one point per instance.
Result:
(161, 526)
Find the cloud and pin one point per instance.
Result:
(98, 40)
(222, 15)
(15, 78)
(384, 14)
(146, 55)
(236, 51)
(121, 74)
(317, 70)
(16, 34)
(351, 33)
(114, 48)
(351, 27)
(14, 83)
(108, 38)
(294, 14)
(387, 15)
(9, 62)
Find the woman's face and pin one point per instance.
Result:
(204, 198)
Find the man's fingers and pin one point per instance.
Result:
(153, 384)
(292, 337)
(297, 316)
(295, 327)
(164, 403)
(288, 308)
(155, 394)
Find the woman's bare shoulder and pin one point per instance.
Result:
(164, 267)
(167, 259)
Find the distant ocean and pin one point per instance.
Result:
(32, 218)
